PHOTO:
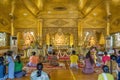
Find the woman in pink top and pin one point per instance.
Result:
(105, 58)
(34, 60)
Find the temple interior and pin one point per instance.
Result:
(28, 26)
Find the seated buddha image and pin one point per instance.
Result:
(59, 38)
(92, 41)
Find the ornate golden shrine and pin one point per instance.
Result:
(59, 39)
(92, 17)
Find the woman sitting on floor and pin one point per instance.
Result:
(74, 60)
(18, 68)
(89, 64)
(33, 60)
(105, 58)
(39, 74)
(54, 60)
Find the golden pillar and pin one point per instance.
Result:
(38, 28)
(108, 27)
(12, 28)
(71, 40)
(39, 31)
(79, 33)
(81, 4)
(39, 4)
(108, 17)
(12, 17)
(48, 39)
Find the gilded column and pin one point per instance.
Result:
(79, 33)
(12, 17)
(12, 28)
(39, 31)
(40, 4)
(48, 39)
(71, 40)
(81, 4)
(38, 28)
(108, 17)
(108, 27)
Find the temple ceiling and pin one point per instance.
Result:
(91, 13)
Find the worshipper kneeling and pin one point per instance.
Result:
(54, 60)
(39, 74)
(18, 68)
(105, 75)
(105, 58)
(89, 64)
(74, 60)
(33, 60)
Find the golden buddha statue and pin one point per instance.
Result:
(92, 41)
(59, 38)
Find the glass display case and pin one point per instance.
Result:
(116, 40)
(4, 39)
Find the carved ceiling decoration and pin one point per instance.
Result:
(3, 22)
(32, 7)
(115, 25)
(27, 12)
(60, 23)
(117, 22)
(60, 8)
(94, 21)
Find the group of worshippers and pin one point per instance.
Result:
(10, 67)
(15, 65)
(90, 62)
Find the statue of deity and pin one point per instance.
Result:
(59, 38)
(28, 38)
(92, 41)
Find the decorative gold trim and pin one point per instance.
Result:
(5, 47)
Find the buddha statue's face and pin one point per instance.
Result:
(59, 30)
(92, 38)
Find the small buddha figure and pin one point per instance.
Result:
(92, 41)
